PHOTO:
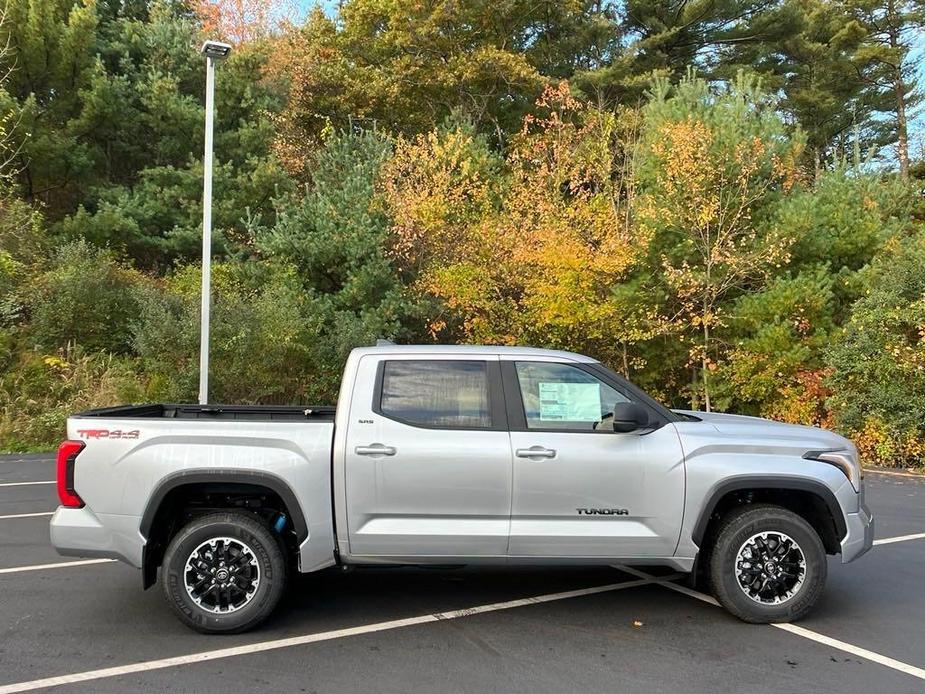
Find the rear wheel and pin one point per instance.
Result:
(767, 564)
(224, 572)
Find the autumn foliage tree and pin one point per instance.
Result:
(527, 249)
(712, 166)
(240, 21)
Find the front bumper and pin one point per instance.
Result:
(860, 536)
(78, 532)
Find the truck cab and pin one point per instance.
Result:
(501, 454)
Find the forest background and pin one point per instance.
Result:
(720, 199)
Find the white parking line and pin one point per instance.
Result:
(872, 656)
(59, 565)
(262, 646)
(853, 650)
(901, 538)
(24, 484)
(27, 515)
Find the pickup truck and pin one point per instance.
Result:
(449, 455)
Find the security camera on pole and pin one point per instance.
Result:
(213, 51)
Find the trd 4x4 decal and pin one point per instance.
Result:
(107, 434)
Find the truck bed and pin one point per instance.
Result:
(287, 413)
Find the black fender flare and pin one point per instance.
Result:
(183, 478)
(740, 482)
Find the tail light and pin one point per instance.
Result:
(67, 457)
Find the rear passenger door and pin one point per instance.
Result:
(428, 459)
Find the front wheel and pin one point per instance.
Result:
(224, 573)
(767, 564)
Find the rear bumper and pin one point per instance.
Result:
(78, 532)
(860, 536)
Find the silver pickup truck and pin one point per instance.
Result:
(457, 455)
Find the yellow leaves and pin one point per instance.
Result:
(437, 186)
(708, 191)
(524, 250)
(55, 362)
(683, 148)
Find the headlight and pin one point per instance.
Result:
(845, 461)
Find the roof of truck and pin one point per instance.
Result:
(473, 349)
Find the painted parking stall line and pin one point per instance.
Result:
(25, 484)
(318, 637)
(900, 538)
(853, 650)
(58, 565)
(802, 632)
(27, 515)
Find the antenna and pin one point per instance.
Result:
(384, 343)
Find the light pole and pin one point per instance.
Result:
(213, 51)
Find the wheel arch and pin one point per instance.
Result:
(172, 487)
(793, 493)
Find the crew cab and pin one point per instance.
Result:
(440, 455)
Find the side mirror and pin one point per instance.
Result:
(628, 416)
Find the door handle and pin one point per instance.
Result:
(535, 452)
(374, 450)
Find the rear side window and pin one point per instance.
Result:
(436, 393)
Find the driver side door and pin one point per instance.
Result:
(579, 488)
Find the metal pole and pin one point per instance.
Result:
(206, 236)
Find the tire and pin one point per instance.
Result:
(773, 583)
(254, 565)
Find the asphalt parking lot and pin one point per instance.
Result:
(88, 626)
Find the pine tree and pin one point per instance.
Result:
(891, 26)
(823, 81)
(668, 39)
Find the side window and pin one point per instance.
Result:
(560, 396)
(436, 393)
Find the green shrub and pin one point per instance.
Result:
(85, 297)
(271, 341)
(42, 390)
(878, 364)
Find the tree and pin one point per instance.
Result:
(85, 297)
(110, 119)
(892, 27)
(774, 365)
(779, 334)
(243, 21)
(437, 188)
(258, 309)
(878, 364)
(404, 66)
(712, 164)
(528, 250)
(334, 236)
(21, 238)
(664, 40)
(51, 48)
(824, 82)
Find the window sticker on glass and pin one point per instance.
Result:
(570, 402)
